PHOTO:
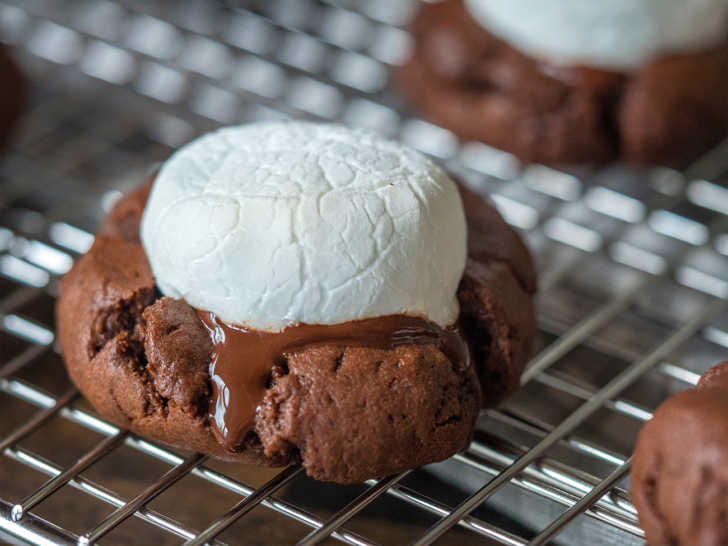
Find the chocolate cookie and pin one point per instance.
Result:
(680, 469)
(464, 78)
(12, 91)
(346, 413)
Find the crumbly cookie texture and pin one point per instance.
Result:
(345, 413)
(329, 224)
(680, 466)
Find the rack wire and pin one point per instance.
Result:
(633, 278)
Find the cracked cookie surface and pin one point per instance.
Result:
(345, 413)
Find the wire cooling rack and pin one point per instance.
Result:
(633, 279)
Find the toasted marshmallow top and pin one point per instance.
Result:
(272, 224)
(611, 34)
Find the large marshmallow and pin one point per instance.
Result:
(612, 34)
(272, 224)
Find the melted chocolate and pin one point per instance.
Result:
(242, 359)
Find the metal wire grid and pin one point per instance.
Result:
(633, 265)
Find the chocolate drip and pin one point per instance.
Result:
(242, 359)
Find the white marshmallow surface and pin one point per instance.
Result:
(611, 34)
(272, 224)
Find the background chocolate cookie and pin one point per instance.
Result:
(12, 91)
(468, 80)
(143, 362)
(680, 469)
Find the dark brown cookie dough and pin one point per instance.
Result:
(345, 413)
(464, 78)
(680, 467)
(12, 92)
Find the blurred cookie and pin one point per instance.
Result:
(12, 92)
(668, 109)
(680, 468)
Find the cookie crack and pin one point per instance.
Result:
(651, 488)
(121, 323)
(122, 316)
(453, 419)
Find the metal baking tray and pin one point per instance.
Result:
(633, 278)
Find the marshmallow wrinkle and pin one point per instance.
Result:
(273, 224)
